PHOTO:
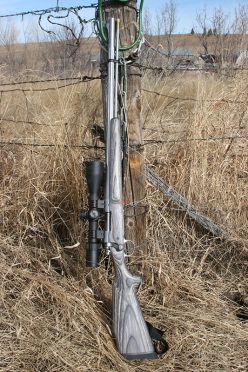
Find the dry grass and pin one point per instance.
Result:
(55, 314)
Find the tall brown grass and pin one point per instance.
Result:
(56, 314)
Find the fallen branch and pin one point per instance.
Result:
(183, 203)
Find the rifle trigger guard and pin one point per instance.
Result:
(116, 247)
(126, 249)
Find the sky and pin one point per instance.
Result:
(186, 9)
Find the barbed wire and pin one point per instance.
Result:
(79, 80)
(150, 142)
(85, 79)
(26, 122)
(152, 130)
(193, 99)
(30, 122)
(38, 89)
(21, 143)
(146, 142)
(178, 67)
(56, 9)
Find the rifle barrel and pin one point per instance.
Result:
(110, 114)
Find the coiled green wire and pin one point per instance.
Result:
(103, 34)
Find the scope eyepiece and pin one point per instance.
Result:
(92, 254)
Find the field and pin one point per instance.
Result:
(55, 314)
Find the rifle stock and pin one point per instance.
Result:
(129, 327)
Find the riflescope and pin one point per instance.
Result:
(94, 176)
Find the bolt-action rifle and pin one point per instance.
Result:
(132, 333)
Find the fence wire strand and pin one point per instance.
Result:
(86, 79)
(83, 79)
(146, 142)
(224, 100)
(21, 143)
(56, 9)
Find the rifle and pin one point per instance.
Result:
(132, 333)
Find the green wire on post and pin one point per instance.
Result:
(103, 34)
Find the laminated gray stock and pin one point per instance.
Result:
(129, 327)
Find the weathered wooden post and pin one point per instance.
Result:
(134, 188)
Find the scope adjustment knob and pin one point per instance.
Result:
(84, 214)
(93, 214)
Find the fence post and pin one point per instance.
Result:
(134, 187)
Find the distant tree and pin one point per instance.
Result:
(9, 37)
(202, 25)
(240, 23)
(166, 23)
(240, 28)
(221, 25)
(147, 22)
(210, 32)
(192, 32)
